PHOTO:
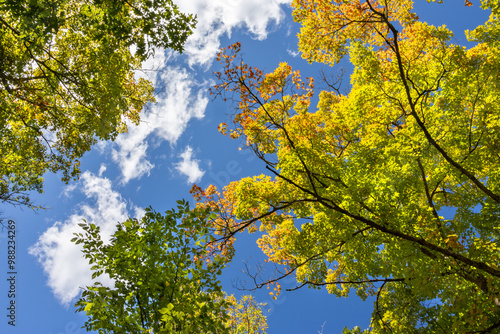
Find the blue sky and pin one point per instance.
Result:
(155, 164)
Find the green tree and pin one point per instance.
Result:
(165, 277)
(67, 80)
(391, 190)
(162, 283)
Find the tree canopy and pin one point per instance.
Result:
(391, 190)
(67, 80)
(245, 315)
(165, 278)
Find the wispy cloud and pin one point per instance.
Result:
(292, 53)
(151, 67)
(189, 166)
(181, 99)
(61, 259)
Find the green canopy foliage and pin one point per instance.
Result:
(67, 80)
(161, 282)
(165, 278)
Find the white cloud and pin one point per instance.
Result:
(216, 18)
(189, 166)
(102, 169)
(293, 53)
(152, 65)
(61, 259)
(68, 190)
(182, 99)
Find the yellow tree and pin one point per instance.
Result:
(67, 80)
(391, 190)
(245, 316)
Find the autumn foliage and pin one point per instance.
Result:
(391, 190)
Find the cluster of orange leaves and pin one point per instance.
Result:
(254, 91)
(225, 225)
(221, 226)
